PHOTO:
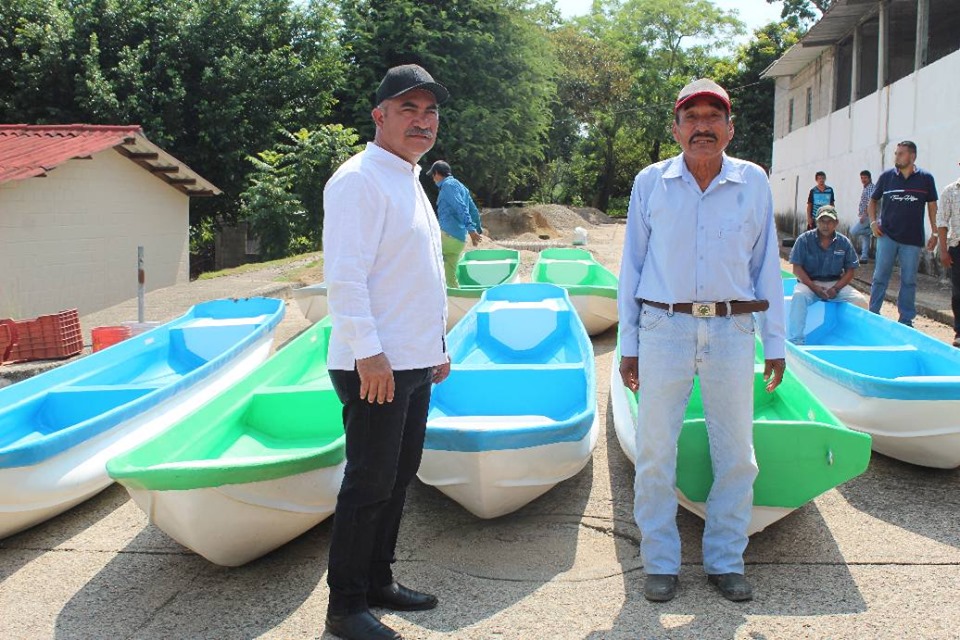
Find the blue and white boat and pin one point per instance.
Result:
(59, 428)
(518, 413)
(878, 376)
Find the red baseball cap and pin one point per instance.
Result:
(700, 88)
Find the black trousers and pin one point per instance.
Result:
(955, 297)
(384, 448)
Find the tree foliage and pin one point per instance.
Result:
(751, 96)
(209, 80)
(284, 200)
(799, 12)
(494, 58)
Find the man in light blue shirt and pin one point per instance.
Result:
(700, 256)
(824, 262)
(458, 217)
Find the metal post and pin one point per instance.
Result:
(140, 284)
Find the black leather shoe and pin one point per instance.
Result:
(733, 586)
(360, 626)
(397, 597)
(660, 587)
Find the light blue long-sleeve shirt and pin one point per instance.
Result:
(687, 245)
(453, 209)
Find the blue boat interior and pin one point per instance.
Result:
(854, 339)
(518, 353)
(556, 393)
(93, 387)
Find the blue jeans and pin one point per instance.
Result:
(887, 252)
(384, 447)
(862, 231)
(672, 350)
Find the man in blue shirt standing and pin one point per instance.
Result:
(902, 192)
(700, 256)
(458, 217)
(824, 262)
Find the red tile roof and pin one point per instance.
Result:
(28, 151)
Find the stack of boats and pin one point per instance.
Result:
(233, 454)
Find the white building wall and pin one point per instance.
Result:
(70, 239)
(921, 107)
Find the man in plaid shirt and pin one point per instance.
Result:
(861, 229)
(948, 231)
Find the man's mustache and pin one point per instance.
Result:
(704, 136)
(417, 131)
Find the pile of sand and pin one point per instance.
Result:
(539, 222)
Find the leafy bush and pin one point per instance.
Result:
(284, 201)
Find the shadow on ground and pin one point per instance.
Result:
(795, 566)
(153, 594)
(24, 547)
(918, 499)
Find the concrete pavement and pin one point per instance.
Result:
(877, 558)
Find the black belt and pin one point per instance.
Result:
(711, 309)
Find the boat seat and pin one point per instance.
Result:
(66, 406)
(484, 273)
(567, 272)
(207, 338)
(522, 327)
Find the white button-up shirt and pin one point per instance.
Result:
(687, 245)
(383, 265)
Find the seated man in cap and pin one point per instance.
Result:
(458, 217)
(824, 262)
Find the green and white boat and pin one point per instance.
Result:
(477, 271)
(257, 466)
(802, 450)
(591, 286)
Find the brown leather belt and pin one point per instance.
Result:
(711, 309)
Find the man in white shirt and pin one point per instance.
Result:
(387, 298)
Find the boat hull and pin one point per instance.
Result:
(797, 461)
(231, 525)
(490, 484)
(893, 382)
(312, 301)
(517, 414)
(921, 432)
(31, 494)
(598, 313)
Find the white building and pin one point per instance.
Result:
(75, 203)
(868, 75)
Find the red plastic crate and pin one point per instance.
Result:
(52, 336)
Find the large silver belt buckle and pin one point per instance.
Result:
(704, 310)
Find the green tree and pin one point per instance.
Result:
(752, 96)
(799, 12)
(661, 45)
(492, 55)
(284, 199)
(209, 80)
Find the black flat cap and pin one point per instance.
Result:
(408, 77)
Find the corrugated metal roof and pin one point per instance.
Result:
(836, 24)
(28, 151)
